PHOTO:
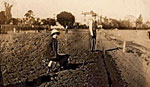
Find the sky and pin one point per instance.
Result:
(118, 9)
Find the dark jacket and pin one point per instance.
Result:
(54, 46)
(94, 26)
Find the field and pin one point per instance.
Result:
(140, 37)
(22, 55)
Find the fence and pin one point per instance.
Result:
(6, 28)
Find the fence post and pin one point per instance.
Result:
(14, 29)
(124, 46)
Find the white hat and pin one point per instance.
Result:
(54, 31)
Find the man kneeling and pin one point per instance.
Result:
(58, 59)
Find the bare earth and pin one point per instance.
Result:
(22, 66)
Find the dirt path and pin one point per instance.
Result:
(113, 73)
(132, 64)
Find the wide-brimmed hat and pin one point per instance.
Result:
(54, 31)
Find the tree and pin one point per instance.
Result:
(114, 23)
(29, 14)
(66, 19)
(139, 21)
(51, 21)
(14, 21)
(37, 21)
(123, 24)
(8, 12)
(29, 17)
(105, 23)
(2, 17)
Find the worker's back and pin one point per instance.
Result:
(94, 25)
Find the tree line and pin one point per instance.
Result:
(109, 23)
(67, 20)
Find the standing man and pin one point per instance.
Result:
(92, 29)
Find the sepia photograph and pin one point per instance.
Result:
(74, 43)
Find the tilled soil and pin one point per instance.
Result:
(21, 56)
(22, 66)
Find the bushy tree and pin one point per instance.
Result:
(66, 19)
